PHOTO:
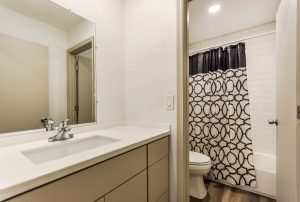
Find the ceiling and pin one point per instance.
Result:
(44, 11)
(234, 15)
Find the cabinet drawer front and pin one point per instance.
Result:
(134, 190)
(158, 179)
(158, 150)
(92, 183)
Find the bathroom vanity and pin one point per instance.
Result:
(133, 167)
(49, 73)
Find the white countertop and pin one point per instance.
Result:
(18, 174)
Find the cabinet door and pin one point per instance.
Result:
(100, 200)
(158, 180)
(134, 190)
(164, 197)
(158, 150)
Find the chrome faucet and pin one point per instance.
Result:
(62, 133)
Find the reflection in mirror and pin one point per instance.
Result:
(46, 65)
(80, 83)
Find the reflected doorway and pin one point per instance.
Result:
(81, 89)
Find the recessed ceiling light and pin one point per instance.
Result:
(214, 8)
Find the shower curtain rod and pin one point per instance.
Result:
(231, 42)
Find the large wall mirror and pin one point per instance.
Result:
(46, 65)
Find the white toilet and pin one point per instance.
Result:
(200, 165)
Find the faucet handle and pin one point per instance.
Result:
(67, 128)
(66, 121)
(48, 123)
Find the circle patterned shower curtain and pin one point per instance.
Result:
(219, 123)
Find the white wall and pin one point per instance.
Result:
(144, 39)
(20, 26)
(261, 69)
(108, 17)
(22, 78)
(150, 66)
(80, 32)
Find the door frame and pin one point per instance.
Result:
(182, 109)
(71, 52)
(182, 102)
(288, 98)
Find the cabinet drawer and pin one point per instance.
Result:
(158, 150)
(158, 179)
(92, 183)
(134, 190)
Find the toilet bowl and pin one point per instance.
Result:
(199, 165)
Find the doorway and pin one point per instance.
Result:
(287, 69)
(81, 87)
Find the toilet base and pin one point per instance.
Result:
(197, 187)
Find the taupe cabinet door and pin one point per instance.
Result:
(100, 200)
(158, 170)
(164, 198)
(158, 180)
(134, 190)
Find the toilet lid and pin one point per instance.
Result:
(198, 158)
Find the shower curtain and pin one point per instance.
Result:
(219, 118)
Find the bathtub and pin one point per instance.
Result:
(265, 167)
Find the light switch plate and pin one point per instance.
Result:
(170, 102)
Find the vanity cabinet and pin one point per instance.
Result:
(100, 200)
(133, 190)
(140, 175)
(158, 171)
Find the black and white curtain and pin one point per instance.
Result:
(219, 117)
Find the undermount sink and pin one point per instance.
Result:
(66, 148)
